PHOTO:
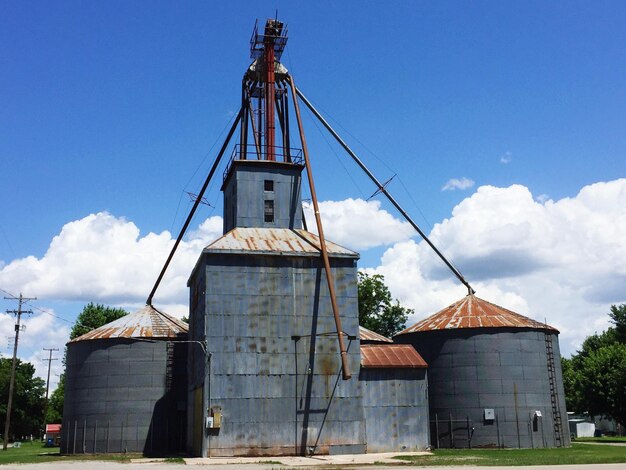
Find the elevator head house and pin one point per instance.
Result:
(277, 305)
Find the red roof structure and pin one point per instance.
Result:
(51, 428)
(473, 312)
(391, 356)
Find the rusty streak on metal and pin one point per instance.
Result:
(391, 356)
(345, 370)
(473, 312)
(381, 187)
(277, 241)
(195, 206)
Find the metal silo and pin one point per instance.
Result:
(494, 377)
(125, 386)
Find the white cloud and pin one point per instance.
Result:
(358, 224)
(38, 331)
(458, 183)
(507, 157)
(100, 258)
(104, 258)
(563, 261)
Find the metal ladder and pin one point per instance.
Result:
(169, 368)
(554, 393)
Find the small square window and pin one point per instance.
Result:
(268, 185)
(269, 210)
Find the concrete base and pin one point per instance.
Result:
(321, 460)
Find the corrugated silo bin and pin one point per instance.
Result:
(125, 387)
(494, 377)
(395, 395)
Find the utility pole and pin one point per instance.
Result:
(50, 359)
(18, 313)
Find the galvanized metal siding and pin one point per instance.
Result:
(471, 370)
(244, 195)
(396, 409)
(281, 395)
(197, 362)
(117, 397)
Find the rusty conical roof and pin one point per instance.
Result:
(473, 312)
(147, 322)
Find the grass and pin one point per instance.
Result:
(577, 454)
(604, 439)
(35, 452)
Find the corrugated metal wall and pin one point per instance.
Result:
(197, 362)
(124, 395)
(396, 409)
(244, 195)
(275, 366)
(504, 369)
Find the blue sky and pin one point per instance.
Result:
(116, 106)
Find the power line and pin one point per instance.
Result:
(18, 313)
(51, 314)
(37, 308)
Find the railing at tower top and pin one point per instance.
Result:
(283, 155)
(274, 32)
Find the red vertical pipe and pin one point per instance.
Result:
(270, 126)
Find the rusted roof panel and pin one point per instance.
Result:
(147, 322)
(473, 312)
(369, 335)
(391, 356)
(275, 241)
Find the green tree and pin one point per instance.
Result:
(28, 398)
(603, 385)
(618, 318)
(595, 377)
(377, 311)
(572, 400)
(93, 316)
(55, 403)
